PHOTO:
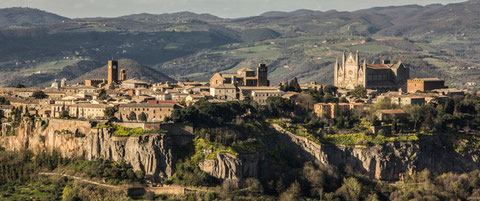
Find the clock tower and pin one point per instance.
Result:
(112, 72)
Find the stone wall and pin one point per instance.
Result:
(143, 125)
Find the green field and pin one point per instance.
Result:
(49, 67)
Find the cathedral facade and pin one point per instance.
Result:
(386, 76)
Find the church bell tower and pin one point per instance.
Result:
(262, 75)
(112, 72)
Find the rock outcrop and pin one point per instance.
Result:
(72, 138)
(231, 167)
(388, 162)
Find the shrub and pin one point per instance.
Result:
(209, 196)
(351, 189)
(149, 195)
(292, 193)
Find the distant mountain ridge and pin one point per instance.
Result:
(27, 16)
(173, 17)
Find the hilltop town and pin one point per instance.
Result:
(356, 85)
(374, 122)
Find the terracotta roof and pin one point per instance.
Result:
(256, 88)
(160, 102)
(89, 105)
(429, 79)
(378, 66)
(147, 105)
(224, 86)
(133, 81)
(228, 75)
(244, 69)
(393, 111)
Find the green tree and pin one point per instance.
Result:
(64, 113)
(351, 189)
(359, 92)
(142, 117)
(294, 86)
(19, 85)
(343, 100)
(294, 192)
(414, 113)
(39, 95)
(278, 106)
(109, 112)
(102, 95)
(4, 101)
(132, 116)
(149, 195)
(385, 103)
(330, 89)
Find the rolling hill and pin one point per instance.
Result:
(434, 40)
(27, 17)
(172, 17)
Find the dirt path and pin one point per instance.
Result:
(167, 189)
(82, 180)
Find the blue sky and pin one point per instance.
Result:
(222, 8)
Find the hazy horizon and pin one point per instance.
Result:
(221, 8)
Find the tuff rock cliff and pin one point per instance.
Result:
(152, 154)
(155, 153)
(231, 167)
(389, 162)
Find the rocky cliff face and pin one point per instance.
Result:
(150, 153)
(230, 167)
(155, 155)
(389, 162)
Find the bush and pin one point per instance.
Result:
(292, 193)
(149, 195)
(39, 95)
(209, 196)
(351, 189)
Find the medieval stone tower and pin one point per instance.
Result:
(262, 75)
(123, 75)
(112, 72)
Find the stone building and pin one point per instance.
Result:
(386, 76)
(95, 82)
(80, 111)
(389, 115)
(261, 96)
(87, 111)
(224, 92)
(424, 84)
(243, 77)
(134, 84)
(330, 110)
(153, 112)
(123, 75)
(333, 110)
